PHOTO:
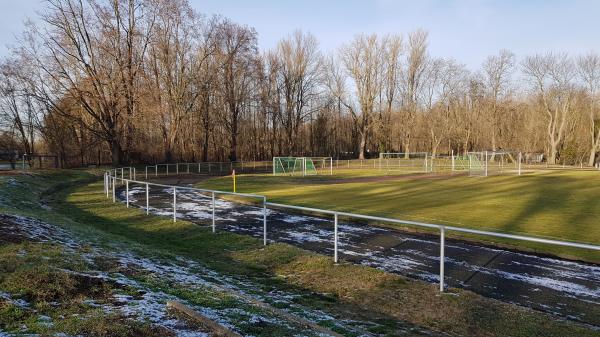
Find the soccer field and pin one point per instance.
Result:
(552, 204)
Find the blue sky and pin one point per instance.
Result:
(466, 30)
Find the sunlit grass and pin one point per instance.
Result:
(558, 204)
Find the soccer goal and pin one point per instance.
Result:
(302, 165)
(486, 163)
(404, 161)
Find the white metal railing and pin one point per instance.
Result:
(205, 167)
(111, 178)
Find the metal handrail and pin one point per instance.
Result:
(110, 182)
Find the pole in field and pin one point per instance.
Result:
(213, 212)
(442, 256)
(127, 193)
(486, 163)
(335, 237)
(233, 176)
(264, 221)
(174, 204)
(147, 199)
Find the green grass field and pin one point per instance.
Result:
(561, 205)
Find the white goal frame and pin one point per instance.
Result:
(405, 161)
(486, 163)
(302, 165)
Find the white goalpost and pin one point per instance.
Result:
(486, 163)
(405, 161)
(302, 165)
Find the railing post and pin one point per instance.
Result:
(442, 256)
(452, 160)
(520, 158)
(176, 168)
(114, 193)
(156, 170)
(188, 168)
(107, 178)
(174, 204)
(147, 199)
(105, 187)
(264, 221)
(127, 193)
(214, 229)
(335, 237)
(146, 177)
(134, 173)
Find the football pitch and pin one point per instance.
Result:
(559, 205)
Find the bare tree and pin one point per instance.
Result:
(238, 57)
(363, 60)
(588, 67)
(497, 72)
(552, 78)
(299, 77)
(17, 103)
(416, 63)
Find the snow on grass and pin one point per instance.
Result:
(182, 273)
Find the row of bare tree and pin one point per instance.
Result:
(154, 80)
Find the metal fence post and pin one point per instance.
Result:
(134, 173)
(213, 213)
(520, 158)
(177, 168)
(147, 199)
(264, 221)
(113, 189)
(156, 170)
(335, 237)
(486, 163)
(107, 178)
(127, 193)
(452, 154)
(174, 204)
(442, 256)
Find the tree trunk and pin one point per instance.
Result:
(592, 158)
(362, 146)
(116, 152)
(553, 153)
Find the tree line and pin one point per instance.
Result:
(125, 81)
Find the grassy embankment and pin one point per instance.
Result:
(557, 205)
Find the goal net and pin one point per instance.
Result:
(488, 163)
(302, 165)
(409, 162)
